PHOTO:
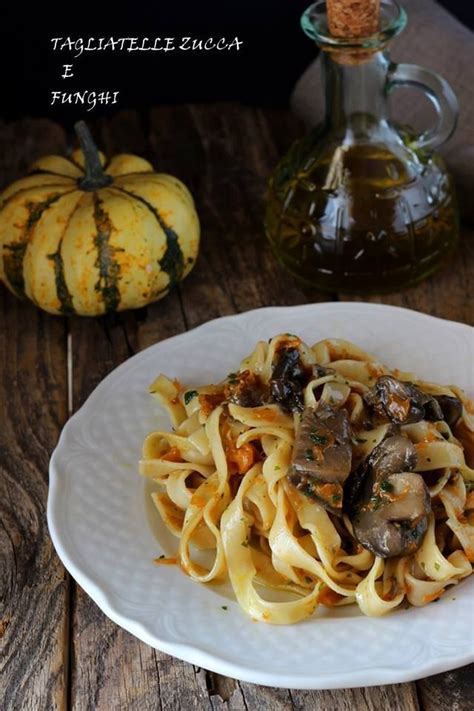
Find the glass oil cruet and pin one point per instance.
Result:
(362, 204)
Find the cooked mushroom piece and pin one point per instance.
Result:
(289, 377)
(322, 455)
(387, 502)
(245, 389)
(395, 519)
(451, 407)
(402, 403)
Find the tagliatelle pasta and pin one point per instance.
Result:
(233, 480)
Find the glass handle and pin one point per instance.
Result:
(438, 92)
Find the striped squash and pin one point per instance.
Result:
(80, 236)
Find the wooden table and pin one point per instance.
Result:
(58, 649)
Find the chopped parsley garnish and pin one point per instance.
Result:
(445, 435)
(386, 486)
(437, 566)
(359, 440)
(224, 607)
(277, 468)
(232, 378)
(336, 497)
(245, 544)
(318, 438)
(188, 396)
(309, 455)
(308, 579)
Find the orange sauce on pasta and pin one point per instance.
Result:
(172, 455)
(433, 596)
(209, 402)
(329, 597)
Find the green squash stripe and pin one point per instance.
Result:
(15, 252)
(109, 268)
(63, 293)
(172, 261)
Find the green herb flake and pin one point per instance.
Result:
(336, 497)
(188, 396)
(423, 565)
(308, 579)
(437, 566)
(386, 486)
(360, 440)
(277, 468)
(445, 435)
(318, 438)
(245, 544)
(224, 607)
(309, 455)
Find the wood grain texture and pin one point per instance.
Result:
(33, 408)
(451, 691)
(224, 154)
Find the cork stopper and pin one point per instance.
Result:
(353, 18)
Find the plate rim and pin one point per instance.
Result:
(199, 656)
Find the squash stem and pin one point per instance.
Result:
(94, 178)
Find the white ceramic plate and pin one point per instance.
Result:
(106, 535)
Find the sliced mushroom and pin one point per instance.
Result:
(404, 403)
(289, 377)
(451, 408)
(394, 454)
(245, 389)
(395, 519)
(322, 455)
(387, 502)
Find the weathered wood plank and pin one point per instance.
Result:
(396, 697)
(33, 408)
(451, 691)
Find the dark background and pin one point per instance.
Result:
(273, 55)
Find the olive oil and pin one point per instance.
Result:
(361, 218)
(362, 204)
